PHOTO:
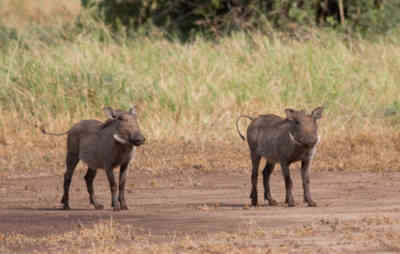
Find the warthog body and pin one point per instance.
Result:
(282, 141)
(102, 146)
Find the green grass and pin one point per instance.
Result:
(198, 88)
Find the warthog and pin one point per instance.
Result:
(102, 145)
(282, 141)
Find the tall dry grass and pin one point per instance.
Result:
(190, 94)
(20, 13)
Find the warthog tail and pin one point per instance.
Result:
(51, 133)
(237, 124)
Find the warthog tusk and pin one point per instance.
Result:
(119, 139)
(293, 139)
(314, 149)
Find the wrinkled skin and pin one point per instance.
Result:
(103, 146)
(283, 141)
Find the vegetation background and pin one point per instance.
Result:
(192, 69)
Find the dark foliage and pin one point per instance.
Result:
(216, 17)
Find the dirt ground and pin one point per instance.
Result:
(202, 204)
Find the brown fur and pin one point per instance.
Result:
(102, 145)
(283, 141)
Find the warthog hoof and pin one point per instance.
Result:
(66, 207)
(272, 202)
(254, 202)
(124, 207)
(312, 203)
(290, 203)
(117, 207)
(98, 206)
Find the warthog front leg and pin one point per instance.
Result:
(113, 189)
(288, 184)
(269, 167)
(71, 161)
(122, 180)
(305, 165)
(255, 160)
(89, 178)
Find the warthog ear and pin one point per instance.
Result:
(109, 112)
(290, 113)
(132, 110)
(317, 113)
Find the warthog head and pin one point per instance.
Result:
(304, 129)
(127, 127)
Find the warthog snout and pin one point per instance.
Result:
(304, 141)
(127, 128)
(303, 129)
(137, 139)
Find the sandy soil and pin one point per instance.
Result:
(203, 203)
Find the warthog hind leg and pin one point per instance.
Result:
(255, 160)
(71, 161)
(89, 178)
(269, 167)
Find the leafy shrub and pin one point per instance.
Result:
(215, 17)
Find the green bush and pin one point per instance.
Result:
(218, 17)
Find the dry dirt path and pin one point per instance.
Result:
(201, 204)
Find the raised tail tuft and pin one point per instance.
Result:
(237, 125)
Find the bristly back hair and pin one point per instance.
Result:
(107, 123)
